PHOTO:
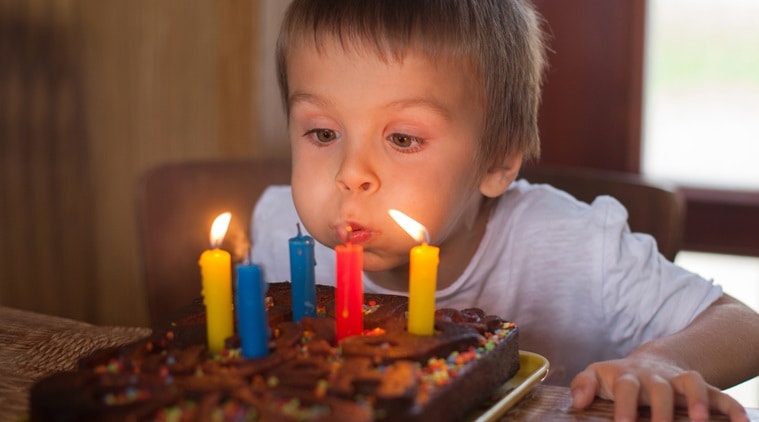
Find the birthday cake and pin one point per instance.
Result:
(385, 373)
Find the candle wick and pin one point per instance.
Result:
(426, 236)
(348, 231)
(298, 225)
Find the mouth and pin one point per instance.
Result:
(353, 232)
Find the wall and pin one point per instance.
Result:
(92, 94)
(592, 96)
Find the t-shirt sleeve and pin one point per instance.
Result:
(274, 221)
(644, 295)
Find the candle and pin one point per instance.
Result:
(349, 290)
(303, 287)
(216, 274)
(250, 305)
(423, 263)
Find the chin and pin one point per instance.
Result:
(374, 263)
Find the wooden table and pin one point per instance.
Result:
(33, 345)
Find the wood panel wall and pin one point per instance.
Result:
(593, 91)
(47, 201)
(92, 94)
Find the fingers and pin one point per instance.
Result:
(694, 388)
(584, 388)
(629, 390)
(718, 401)
(700, 397)
(725, 404)
(728, 405)
(661, 399)
(626, 394)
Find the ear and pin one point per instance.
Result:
(500, 176)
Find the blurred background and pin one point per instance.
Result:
(702, 105)
(95, 92)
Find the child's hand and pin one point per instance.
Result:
(632, 382)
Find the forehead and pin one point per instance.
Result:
(360, 92)
(318, 51)
(331, 63)
(325, 43)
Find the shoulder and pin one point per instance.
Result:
(273, 221)
(275, 203)
(545, 206)
(274, 215)
(540, 226)
(275, 195)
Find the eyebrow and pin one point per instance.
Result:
(303, 97)
(423, 102)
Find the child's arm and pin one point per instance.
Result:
(718, 349)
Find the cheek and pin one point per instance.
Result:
(314, 213)
(304, 196)
(454, 206)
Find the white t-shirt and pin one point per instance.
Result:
(581, 287)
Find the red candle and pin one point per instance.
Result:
(349, 301)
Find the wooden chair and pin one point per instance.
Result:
(654, 207)
(176, 205)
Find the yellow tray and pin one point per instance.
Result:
(533, 368)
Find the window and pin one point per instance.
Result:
(701, 124)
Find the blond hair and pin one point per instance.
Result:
(499, 41)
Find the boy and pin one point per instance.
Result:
(430, 108)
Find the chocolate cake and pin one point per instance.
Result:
(383, 374)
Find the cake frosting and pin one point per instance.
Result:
(384, 374)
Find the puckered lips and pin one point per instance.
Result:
(353, 232)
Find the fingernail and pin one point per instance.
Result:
(575, 396)
(699, 412)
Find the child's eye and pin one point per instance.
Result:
(323, 136)
(405, 142)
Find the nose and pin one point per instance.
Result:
(356, 173)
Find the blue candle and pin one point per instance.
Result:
(302, 282)
(250, 305)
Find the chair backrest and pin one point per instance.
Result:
(176, 205)
(653, 207)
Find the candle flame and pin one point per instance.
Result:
(219, 229)
(411, 226)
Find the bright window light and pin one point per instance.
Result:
(701, 123)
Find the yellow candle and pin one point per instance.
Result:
(216, 274)
(422, 285)
(423, 263)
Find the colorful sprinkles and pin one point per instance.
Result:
(439, 372)
(370, 307)
(435, 373)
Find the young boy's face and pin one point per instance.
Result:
(369, 135)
